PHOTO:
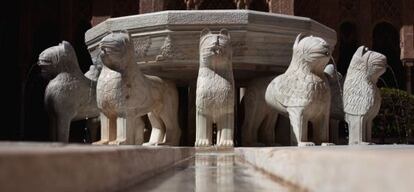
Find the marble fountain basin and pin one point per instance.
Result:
(166, 43)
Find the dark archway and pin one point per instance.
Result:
(259, 5)
(175, 5)
(307, 8)
(217, 4)
(386, 40)
(348, 44)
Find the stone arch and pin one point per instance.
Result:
(217, 4)
(348, 44)
(386, 40)
(259, 5)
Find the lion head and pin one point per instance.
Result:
(58, 59)
(311, 52)
(215, 48)
(117, 50)
(367, 63)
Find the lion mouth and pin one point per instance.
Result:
(323, 53)
(44, 62)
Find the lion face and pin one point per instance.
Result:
(48, 62)
(215, 48)
(314, 51)
(116, 50)
(370, 63)
(58, 59)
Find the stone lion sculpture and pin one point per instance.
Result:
(70, 95)
(215, 90)
(362, 99)
(259, 117)
(124, 94)
(302, 93)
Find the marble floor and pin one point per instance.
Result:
(211, 172)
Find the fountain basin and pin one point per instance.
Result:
(166, 43)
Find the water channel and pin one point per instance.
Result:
(214, 171)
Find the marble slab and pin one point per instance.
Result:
(58, 167)
(337, 168)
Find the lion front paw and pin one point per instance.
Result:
(225, 143)
(117, 142)
(361, 143)
(305, 144)
(202, 143)
(101, 142)
(150, 144)
(327, 144)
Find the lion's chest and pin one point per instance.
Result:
(360, 96)
(295, 90)
(116, 95)
(214, 92)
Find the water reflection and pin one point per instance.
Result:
(210, 172)
(214, 172)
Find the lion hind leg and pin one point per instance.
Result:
(108, 128)
(169, 117)
(321, 130)
(172, 130)
(250, 128)
(368, 131)
(126, 132)
(63, 128)
(157, 131)
(267, 130)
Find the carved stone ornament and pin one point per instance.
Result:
(168, 51)
(141, 46)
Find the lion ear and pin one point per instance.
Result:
(298, 38)
(365, 50)
(360, 51)
(66, 45)
(205, 32)
(225, 32)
